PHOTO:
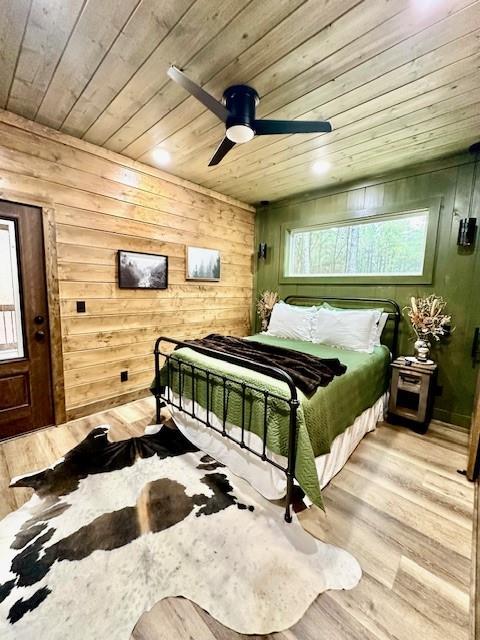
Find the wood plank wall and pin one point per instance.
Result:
(456, 270)
(104, 202)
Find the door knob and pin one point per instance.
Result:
(39, 320)
(40, 335)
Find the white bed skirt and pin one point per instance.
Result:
(265, 478)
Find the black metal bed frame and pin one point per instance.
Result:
(163, 394)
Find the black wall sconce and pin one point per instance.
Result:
(468, 226)
(262, 251)
(466, 232)
(262, 247)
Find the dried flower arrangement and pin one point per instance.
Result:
(427, 317)
(265, 304)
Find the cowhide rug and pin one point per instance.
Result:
(114, 527)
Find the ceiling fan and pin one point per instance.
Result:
(237, 110)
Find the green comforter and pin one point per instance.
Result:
(321, 417)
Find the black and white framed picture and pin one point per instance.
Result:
(203, 264)
(142, 270)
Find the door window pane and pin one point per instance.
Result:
(391, 246)
(11, 335)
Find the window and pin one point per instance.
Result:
(11, 343)
(393, 245)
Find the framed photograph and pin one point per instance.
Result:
(142, 270)
(203, 264)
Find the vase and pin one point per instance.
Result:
(422, 348)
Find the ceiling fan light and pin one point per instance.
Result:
(240, 133)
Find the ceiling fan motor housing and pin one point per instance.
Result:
(237, 111)
(240, 101)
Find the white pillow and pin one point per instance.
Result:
(380, 323)
(289, 321)
(351, 329)
(380, 327)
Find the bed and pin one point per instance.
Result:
(252, 417)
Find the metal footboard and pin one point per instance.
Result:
(163, 395)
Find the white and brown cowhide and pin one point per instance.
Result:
(114, 527)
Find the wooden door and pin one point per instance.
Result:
(473, 467)
(26, 399)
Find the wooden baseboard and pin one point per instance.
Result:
(475, 583)
(457, 419)
(109, 403)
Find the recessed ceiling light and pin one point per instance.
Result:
(161, 156)
(320, 166)
(425, 5)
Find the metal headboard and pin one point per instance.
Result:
(389, 306)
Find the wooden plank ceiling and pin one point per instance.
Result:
(399, 81)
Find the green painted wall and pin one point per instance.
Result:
(456, 271)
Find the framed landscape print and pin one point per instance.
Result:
(142, 270)
(203, 264)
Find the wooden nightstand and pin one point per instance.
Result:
(412, 390)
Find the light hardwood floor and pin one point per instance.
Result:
(399, 506)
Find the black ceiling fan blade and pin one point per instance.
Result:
(197, 92)
(271, 127)
(222, 150)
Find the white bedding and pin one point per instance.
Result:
(265, 478)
